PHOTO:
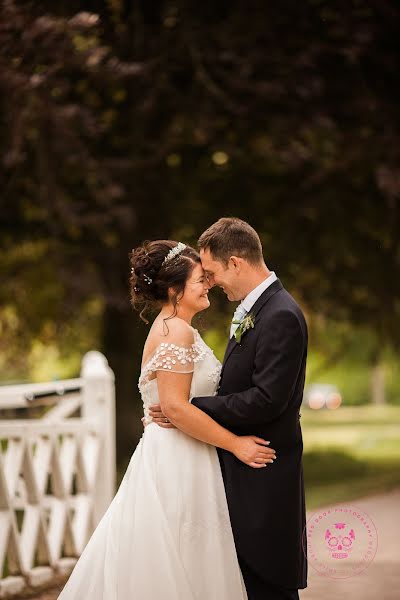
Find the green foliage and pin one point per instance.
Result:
(137, 112)
(44, 329)
(353, 378)
(378, 479)
(345, 355)
(351, 452)
(332, 466)
(216, 341)
(151, 120)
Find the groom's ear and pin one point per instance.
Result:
(236, 262)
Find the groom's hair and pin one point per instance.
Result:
(231, 236)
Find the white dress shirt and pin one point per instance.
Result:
(251, 298)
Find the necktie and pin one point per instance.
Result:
(238, 315)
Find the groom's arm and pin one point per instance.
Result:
(278, 359)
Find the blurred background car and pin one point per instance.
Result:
(322, 395)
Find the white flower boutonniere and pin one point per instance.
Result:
(247, 323)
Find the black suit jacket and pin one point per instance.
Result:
(260, 393)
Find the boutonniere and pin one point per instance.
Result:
(247, 323)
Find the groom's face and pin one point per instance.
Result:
(224, 276)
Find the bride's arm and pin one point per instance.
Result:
(174, 390)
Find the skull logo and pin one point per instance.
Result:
(340, 542)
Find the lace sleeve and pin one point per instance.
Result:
(174, 358)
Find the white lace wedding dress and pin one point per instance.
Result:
(166, 535)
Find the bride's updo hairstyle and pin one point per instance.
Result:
(152, 275)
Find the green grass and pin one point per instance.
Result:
(350, 453)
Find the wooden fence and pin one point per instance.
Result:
(57, 472)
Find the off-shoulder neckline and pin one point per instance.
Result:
(151, 356)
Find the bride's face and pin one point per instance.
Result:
(195, 295)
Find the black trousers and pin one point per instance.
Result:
(258, 589)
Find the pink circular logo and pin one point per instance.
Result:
(341, 541)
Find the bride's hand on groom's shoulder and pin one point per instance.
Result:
(253, 451)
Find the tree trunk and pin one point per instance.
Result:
(378, 383)
(123, 339)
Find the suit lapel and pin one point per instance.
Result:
(230, 346)
(255, 309)
(267, 295)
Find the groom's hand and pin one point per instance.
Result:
(157, 415)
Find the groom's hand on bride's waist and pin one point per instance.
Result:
(158, 417)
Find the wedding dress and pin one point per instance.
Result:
(166, 535)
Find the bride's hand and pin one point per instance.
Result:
(253, 451)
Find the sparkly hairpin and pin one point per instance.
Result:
(147, 279)
(174, 252)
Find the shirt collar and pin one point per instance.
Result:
(254, 295)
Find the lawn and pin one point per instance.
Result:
(351, 452)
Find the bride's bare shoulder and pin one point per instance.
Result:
(176, 331)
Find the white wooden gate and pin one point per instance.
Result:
(57, 472)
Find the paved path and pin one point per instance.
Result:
(380, 581)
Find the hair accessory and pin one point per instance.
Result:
(147, 279)
(174, 252)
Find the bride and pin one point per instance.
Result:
(167, 535)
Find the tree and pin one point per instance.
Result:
(145, 120)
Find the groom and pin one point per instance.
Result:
(260, 393)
